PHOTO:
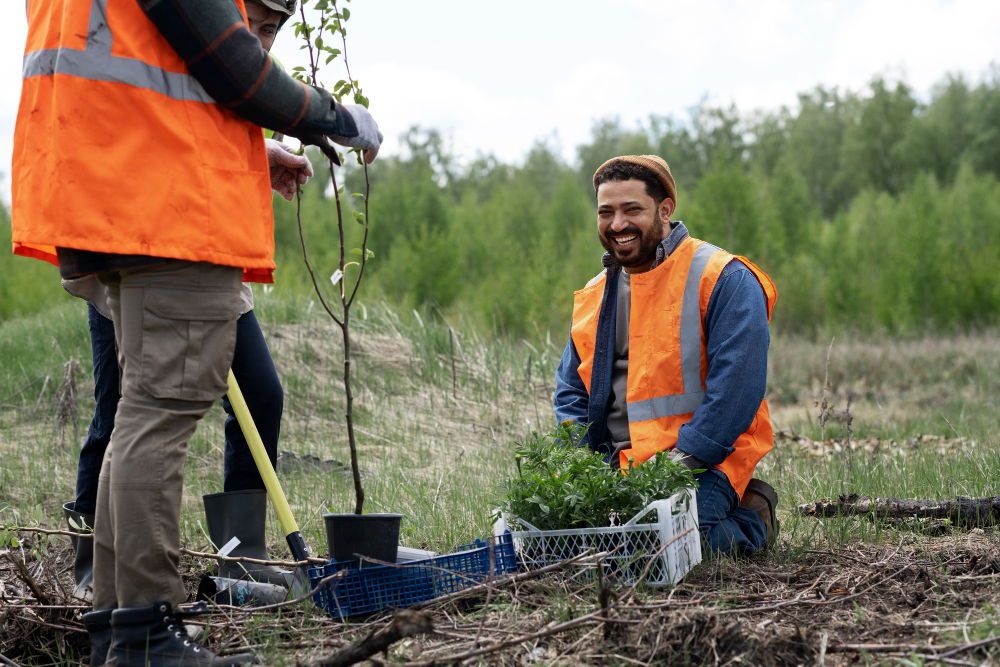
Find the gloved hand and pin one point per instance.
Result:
(369, 138)
(288, 170)
(686, 460)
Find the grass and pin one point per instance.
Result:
(436, 443)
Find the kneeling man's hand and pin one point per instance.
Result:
(686, 460)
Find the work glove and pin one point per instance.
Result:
(686, 460)
(369, 138)
(288, 170)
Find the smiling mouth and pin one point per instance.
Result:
(622, 241)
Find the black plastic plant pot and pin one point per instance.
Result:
(374, 536)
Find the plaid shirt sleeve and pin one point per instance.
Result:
(228, 61)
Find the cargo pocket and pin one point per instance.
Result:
(188, 339)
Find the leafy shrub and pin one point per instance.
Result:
(560, 484)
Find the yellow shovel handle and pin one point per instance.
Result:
(260, 457)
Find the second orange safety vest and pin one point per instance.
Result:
(667, 362)
(118, 149)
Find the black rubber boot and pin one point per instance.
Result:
(155, 637)
(241, 514)
(83, 561)
(98, 624)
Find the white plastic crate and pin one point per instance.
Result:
(634, 544)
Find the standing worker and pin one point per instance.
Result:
(240, 509)
(668, 351)
(138, 157)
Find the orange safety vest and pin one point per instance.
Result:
(118, 149)
(667, 353)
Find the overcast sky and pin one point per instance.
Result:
(496, 77)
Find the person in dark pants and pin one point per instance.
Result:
(258, 379)
(102, 346)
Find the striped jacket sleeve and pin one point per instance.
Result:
(228, 61)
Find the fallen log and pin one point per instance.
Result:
(967, 512)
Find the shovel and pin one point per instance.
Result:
(299, 583)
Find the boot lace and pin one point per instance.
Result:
(177, 627)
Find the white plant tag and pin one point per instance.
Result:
(230, 545)
(337, 275)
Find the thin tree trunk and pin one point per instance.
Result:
(359, 492)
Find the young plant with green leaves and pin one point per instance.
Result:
(560, 484)
(331, 24)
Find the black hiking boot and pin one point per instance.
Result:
(155, 637)
(83, 548)
(241, 514)
(760, 497)
(98, 624)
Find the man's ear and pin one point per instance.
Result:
(666, 209)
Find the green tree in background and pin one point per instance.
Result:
(726, 208)
(815, 137)
(871, 152)
(872, 210)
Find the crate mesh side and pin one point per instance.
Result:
(633, 547)
(632, 551)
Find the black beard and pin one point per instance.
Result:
(646, 252)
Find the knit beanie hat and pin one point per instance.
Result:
(654, 163)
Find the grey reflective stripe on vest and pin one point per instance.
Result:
(664, 406)
(96, 63)
(690, 338)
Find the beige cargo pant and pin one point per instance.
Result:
(175, 325)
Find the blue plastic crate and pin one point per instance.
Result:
(363, 590)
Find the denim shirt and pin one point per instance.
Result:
(737, 340)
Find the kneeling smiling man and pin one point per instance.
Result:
(668, 351)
